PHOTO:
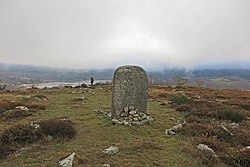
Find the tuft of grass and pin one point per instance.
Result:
(58, 128)
(229, 114)
(181, 99)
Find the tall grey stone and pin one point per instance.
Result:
(130, 88)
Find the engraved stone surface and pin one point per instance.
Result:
(130, 88)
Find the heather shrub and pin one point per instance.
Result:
(16, 113)
(5, 150)
(245, 106)
(197, 129)
(229, 114)
(20, 134)
(183, 108)
(42, 97)
(242, 158)
(197, 119)
(58, 128)
(239, 158)
(242, 137)
(213, 142)
(4, 106)
(181, 99)
(162, 94)
(207, 159)
(36, 106)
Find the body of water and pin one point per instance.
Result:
(61, 84)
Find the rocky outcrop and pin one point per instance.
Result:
(131, 116)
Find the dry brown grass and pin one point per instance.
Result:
(58, 128)
(205, 115)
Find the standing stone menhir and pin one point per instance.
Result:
(130, 91)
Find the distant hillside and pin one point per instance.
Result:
(60, 74)
(211, 73)
(240, 73)
(54, 74)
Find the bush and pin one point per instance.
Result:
(245, 106)
(207, 159)
(42, 97)
(58, 128)
(20, 134)
(183, 108)
(16, 113)
(225, 136)
(36, 106)
(163, 94)
(242, 137)
(197, 129)
(242, 158)
(197, 119)
(5, 150)
(239, 158)
(229, 114)
(213, 142)
(4, 106)
(181, 99)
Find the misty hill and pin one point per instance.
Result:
(41, 73)
(54, 74)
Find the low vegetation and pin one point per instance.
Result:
(20, 134)
(213, 118)
(59, 126)
(229, 114)
(181, 99)
(62, 128)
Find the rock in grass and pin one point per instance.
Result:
(116, 121)
(111, 150)
(174, 129)
(204, 147)
(169, 132)
(24, 108)
(67, 162)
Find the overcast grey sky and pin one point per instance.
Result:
(107, 33)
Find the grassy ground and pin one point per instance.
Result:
(219, 118)
(145, 145)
